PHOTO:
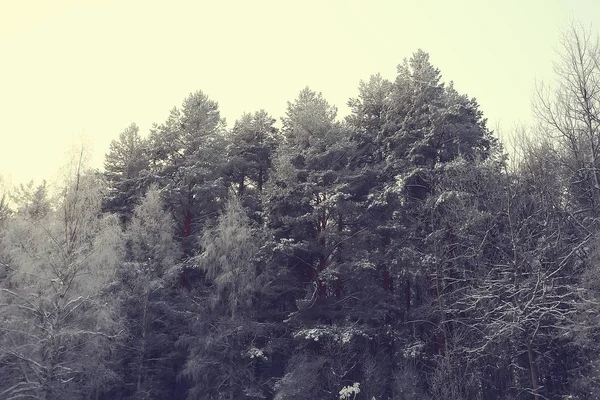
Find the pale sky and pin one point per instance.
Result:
(92, 67)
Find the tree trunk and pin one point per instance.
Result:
(241, 186)
(143, 344)
(340, 227)
(533, 371)
(260, 180)
(187, 225)
(407, 295)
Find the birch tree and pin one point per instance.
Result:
(569, 112)
(58, 326)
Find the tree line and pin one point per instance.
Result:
(398, 253)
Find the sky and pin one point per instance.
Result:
(84, 70)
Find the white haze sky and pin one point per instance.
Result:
(89, 68)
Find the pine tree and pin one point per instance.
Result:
(124, 163)
(251, 144)
(187, 156)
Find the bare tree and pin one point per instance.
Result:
(570, 113)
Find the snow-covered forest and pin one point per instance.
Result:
(399, 253)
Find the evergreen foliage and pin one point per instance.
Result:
(391, 255)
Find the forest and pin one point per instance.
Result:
(401, 252)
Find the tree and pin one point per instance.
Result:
(5, 214)
(149, 316)
(32, 201)
(126, 160)
(368, 109)
(528, 298)
(569, 112)
(429, 122)
(227, 349)
(58, 327)
(150, 235)
(252, 142)
(305, 196)
(227, 258)
(315, 234)
(187, 156)
(4, 197)
(420, 207)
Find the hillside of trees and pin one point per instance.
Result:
(400, 253)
